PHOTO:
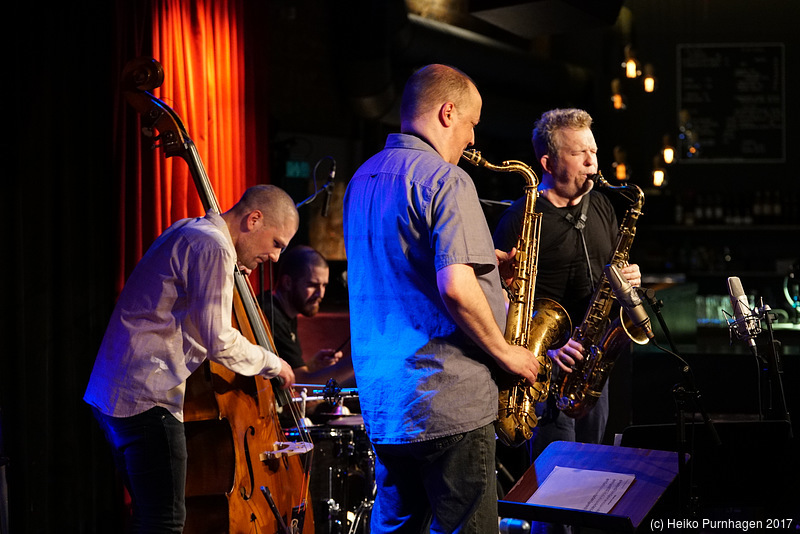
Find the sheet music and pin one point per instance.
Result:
(582, 489)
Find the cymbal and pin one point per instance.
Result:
(347, 420)
(339, 411)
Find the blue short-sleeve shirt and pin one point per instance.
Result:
(409, 213)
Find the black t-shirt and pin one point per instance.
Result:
(563, 274)
(284, 333)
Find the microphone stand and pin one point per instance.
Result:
(686, 395)
(311, 198)
(327, 187)
(775, 368)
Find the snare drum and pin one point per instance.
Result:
(363, 457)
(342, 475)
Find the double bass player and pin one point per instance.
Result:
(174, 313)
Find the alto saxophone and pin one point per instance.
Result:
(535, 324)
(603, 339)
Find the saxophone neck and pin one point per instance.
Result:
(474, 157)
(637, 201)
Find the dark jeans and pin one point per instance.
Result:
(448, 483)
(149, 450)
(555, 426)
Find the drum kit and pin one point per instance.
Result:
(342, 485)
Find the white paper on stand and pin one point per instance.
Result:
(582, 489)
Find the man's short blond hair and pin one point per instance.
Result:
(431, 86)
(544, 138)
(276, 205)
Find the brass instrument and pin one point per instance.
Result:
(603, 339)
(534, 324)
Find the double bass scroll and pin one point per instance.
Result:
(242, 475)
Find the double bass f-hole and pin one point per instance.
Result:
(247, 494)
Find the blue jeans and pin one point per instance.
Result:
(149, 451)
(447, 483)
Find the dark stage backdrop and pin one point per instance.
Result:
(60, 266)
(86, 200)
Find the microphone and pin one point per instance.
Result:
(326, 206)
(745, 323)
(629, 299)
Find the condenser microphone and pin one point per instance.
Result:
(326, 206)
(745, 324)
(629, 299)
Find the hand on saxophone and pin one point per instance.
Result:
(520, 361)
(567, 355)
(506, 264)
(632, 274)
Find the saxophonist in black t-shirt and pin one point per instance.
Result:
(579, 233)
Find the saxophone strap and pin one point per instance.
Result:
(579, 223)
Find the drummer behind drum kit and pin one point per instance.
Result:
(342, 482)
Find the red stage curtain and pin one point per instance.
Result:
(200, 44)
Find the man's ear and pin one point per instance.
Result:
(285, 282)
(545, 162)
(252, 219)
(446, 114)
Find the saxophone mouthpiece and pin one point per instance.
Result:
(598, 179)
(473, 156)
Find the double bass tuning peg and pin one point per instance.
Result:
(142, 74)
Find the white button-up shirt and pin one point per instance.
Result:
(174, 312)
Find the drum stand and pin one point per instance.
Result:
(334, 510)
(362, 517)
(341, 520)
(364, 510)
(353, 455)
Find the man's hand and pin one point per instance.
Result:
(567, 355)
(286, 375)
(324, 358)
(632, 274)
(520, 361)
(506, 265)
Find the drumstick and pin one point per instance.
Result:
(340, 347)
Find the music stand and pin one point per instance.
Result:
(654, 472)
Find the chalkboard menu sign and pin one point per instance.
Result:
(731, 103)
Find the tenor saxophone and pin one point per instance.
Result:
(536, 324)
(602, 338)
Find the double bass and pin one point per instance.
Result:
(242, 474)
